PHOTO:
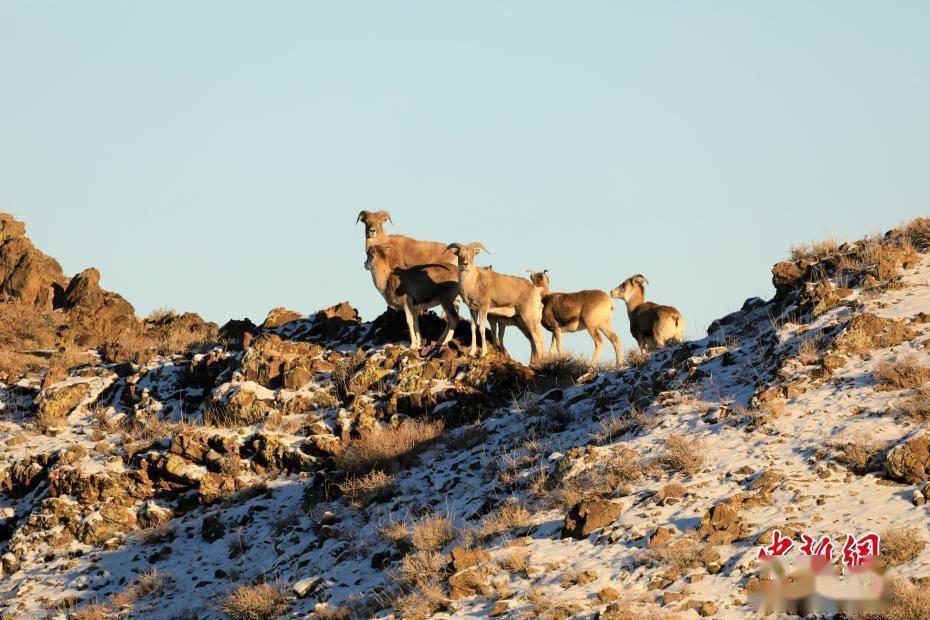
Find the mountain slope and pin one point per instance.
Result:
(313, 465)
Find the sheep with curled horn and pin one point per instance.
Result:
(413, 289)
(408, 251)
(487, 293)
(653, 326)
(589, 310)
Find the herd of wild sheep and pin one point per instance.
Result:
(415, 275)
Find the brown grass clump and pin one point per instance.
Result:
(607, 477)
(908, 601)
(808, 351)
(867, 332)
(685, 551)
(92, 611)
(903, 373)
(858, 453)
(516, 561)
(432, 532)
(673, 490)
(611, 428)
(362, 490)
(816, 251)
(419, 568)
(345, 369)
(384, 447)
(254, 602)
(900, 545)
(422, 602)
(508, 516)
(560, 371)
(396, 532)
(683, 454)
(917, 407)
(915, 233)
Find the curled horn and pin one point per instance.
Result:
(477, 245)
(384, 215)
(361, 214)
(455, 247)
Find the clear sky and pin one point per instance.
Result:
(213, 156)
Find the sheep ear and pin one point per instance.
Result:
(361, 214)
(384, 216)
(640, 279)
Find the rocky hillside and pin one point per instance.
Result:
(313, 466)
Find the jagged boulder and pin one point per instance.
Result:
(589, 515)
(721, 524)
(909, 461)
(96, 315)
(274, 362)
(278, 317)
(26, 274)
(55, 403)
(113, 518)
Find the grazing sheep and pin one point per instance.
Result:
(590, 310)
(414, 289)
(653, 326)
(487, 292)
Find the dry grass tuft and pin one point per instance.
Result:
(903, 373)
(908, 601)
(917, 407)
(683, 552)
(867, 332)
(683, 454)
(362, 490)
(422, 602)
(255, 602)
(384, 447)
(673, 490)
(92, 611)
(419, 568)
(432, 532)
(515, 561)
(508, 516)
(607, 477)
(345, 370)
(858, 453)
(808, 352)
(900, 545)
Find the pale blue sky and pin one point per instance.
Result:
(212, 156)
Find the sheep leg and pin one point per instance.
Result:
(612, 336)
(452, 321)
(482, 324)
(501, 326)
(552, 344)
(474, 320)
(557, 338)
(596, 336)
(412, 324)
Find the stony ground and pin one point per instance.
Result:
(314, 466)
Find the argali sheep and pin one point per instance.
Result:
(414, 288)
(589, 310)
(653, 326)
(408, 251)
(487, 292)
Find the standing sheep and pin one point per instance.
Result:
(653, 326)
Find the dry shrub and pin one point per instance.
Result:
(549, 607)
(344, 370)
(915, 233)
(146, 584)
(219, 414)
(422, 602)
(818, 250)
(560, 371)
(382, 448)
(867, 332)
(917, 407)
(903, 373)
(858, 453)
(362, 490)
(674, 490)
(163, 333)
(505, 518)
(685, 551)
(516, 561)
(635, 358)
(254, 602)
(808, 351)
(611, 428)
(419, 568)
(908, 601)
(396, 532)
(607, 477)
(900, 545)
(683, 454)
(432, 532)
(92, 611)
